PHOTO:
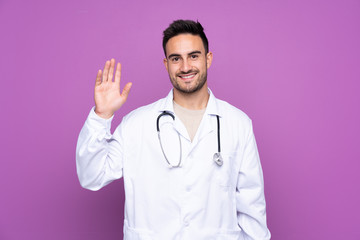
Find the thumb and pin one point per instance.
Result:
(126, 90)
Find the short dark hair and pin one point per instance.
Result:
(185, 26)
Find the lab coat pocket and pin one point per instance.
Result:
(226, 174)
(136, 234)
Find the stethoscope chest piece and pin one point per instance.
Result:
(218, 159)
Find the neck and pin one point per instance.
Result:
(194, 101)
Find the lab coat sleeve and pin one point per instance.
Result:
(250, 199)
(99, 155)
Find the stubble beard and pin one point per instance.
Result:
(200, 82)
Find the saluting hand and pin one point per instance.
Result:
(107, 92)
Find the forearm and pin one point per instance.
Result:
(250, 198)
(98, 154)
(251, 214)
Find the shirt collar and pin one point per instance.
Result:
(211, 108)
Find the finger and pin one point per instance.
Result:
(98, 78)
(118, 73)
(126, 90)
(106, 71)
(111, 71)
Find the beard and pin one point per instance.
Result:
(200, 82)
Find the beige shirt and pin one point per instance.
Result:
(190, 118)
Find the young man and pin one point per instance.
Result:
(205, 184)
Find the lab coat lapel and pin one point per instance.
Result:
(181, 129)
(208, 123)
(178, 125)
(206, 127)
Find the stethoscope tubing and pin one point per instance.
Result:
(217, 156)
(218, 133)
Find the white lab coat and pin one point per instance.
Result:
(198, 200)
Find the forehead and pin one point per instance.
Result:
(184, 43)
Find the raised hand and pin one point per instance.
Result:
(107, 92)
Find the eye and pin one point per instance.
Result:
(193, 57)
(175, 59)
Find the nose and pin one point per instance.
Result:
(185, 66)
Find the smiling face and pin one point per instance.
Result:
(187, 63)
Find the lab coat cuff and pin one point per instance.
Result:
(97, 122)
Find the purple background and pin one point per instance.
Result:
(292, 66)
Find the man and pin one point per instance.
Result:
(206, 183)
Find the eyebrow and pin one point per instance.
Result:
(178, 55)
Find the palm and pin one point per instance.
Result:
(107, 96)
(107, 92)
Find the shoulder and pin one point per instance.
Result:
(236, 126)
(139, 121)
(232, 113)
(237, 122)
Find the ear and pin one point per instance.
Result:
(209, 58)
(165, 63)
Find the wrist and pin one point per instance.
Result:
(105, 115)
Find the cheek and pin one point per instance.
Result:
(201, 66)
(172, 70)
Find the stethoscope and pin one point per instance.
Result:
(217, 156)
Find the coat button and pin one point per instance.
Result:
(186, 222)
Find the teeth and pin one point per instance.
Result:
(189, 76)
